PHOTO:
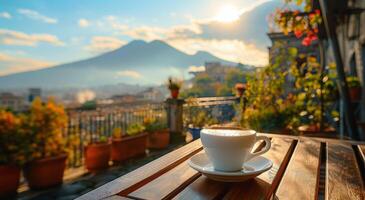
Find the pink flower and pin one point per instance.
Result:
(306, 41)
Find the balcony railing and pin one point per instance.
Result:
(90, 126)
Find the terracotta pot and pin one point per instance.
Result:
(97, 156)
(159, 139)
(240, 89)
(355, 93)
(129, 147)
(46, 172)
(9, 181)
(174, 94)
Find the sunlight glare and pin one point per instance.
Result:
(228, 13)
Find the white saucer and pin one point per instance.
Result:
(251, 168)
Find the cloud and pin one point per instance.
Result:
(196, 68)
(84, 23)
(114, 23)
(32, 14)
(10, 64)
(104, 43)
(232, 50)
(10, 37)
(149, 33)
(130, 74)
(5, 15)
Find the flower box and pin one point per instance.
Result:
(97, 156)
(128, 147)
(158, 139)
(46, 172)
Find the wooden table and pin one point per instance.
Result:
(304, 168)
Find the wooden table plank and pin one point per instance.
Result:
(117, 197)
(300, 179)
(168, 184)
(264, 185)
(362, 152)
(144, 174)
(343, 176)
(203, 188)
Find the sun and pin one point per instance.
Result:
(228, 13)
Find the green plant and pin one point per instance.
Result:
(117, 132)
(196, 116)
(273, 103)
(135, 128)
(353, 82)
(174, 84)
(14, 144)
(45, 123)
(154, 124)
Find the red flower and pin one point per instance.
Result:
(298, 33)
(313, 37)
(306, 41)
(317, 11)
(312, 15)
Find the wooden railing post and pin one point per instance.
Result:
(174, 108)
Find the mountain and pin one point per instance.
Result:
(137, 62)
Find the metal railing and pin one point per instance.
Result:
(90, 126)
(221, 109)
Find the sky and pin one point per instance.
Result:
(40, 33)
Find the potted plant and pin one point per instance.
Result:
(354, 88)
(240, 89)
(158, 134)
(48, 153)
(13, 147)
(131, 145)
(174, 87)
(198, 120)
(97, 154)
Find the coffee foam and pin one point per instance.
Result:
(227, 132)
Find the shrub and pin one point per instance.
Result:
(153, 124)
(13, 139)
(45, 124)
(135, 128)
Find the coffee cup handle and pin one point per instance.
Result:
(263, 150)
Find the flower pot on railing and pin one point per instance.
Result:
(128, 147)
(174, 86)
(46, 172)
(97, 156)
(9, 181)
(195, 132)
(158, 139)
(174, 94)
(240, 89)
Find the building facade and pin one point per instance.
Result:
(12, 102)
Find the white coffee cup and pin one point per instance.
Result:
(228, 149)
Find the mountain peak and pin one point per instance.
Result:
(203, 53)
(157, 42)
(137, 43)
